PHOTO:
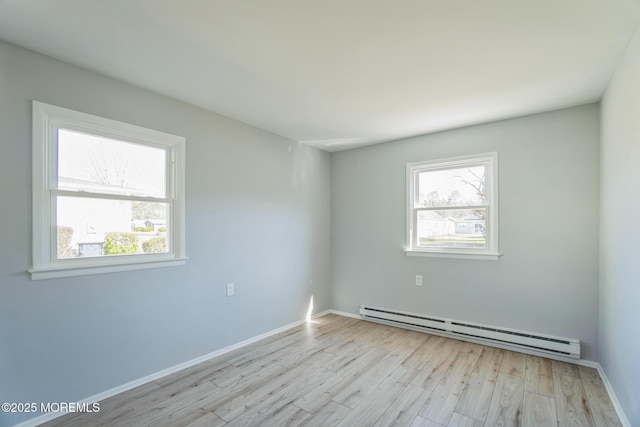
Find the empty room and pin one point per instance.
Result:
(319, 213)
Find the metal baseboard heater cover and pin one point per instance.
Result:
(549, 344)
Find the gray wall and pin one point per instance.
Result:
(620, 233)
(257, 215)
(547, 280)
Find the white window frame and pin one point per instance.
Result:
(47, 119)
(490, 161)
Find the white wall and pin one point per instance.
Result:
(620, 233)
(257, 215)
(547, 280)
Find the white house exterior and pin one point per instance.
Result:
(91, 219)
(430, 224)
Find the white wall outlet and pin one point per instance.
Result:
(230, 289)
(418, 280)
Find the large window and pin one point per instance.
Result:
(453, 207)
(107, 196)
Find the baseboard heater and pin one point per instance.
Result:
(500, 337)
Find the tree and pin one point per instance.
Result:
(432, 200)
(116, 243)
(148, 210)
(454, 198)
(64, 242)
(155, 245)
(113, 170)
(477, 182)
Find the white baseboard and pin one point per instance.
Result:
(345, 314)
(135, 383)
(607, 385)
(612, 395)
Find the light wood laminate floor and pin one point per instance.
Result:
(339, 371)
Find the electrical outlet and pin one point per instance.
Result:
(230, 289)
(418, 280)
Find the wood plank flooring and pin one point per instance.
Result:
(339, 371)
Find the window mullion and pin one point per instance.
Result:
(92, 195)
(446, 208)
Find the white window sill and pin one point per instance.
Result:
(460, 255)
(54, 273)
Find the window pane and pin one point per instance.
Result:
(451, 187)
(98, 227)
(452, 228)
(92, 163)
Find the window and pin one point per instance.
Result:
(453, 207)
(107, 196)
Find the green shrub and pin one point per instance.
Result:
(116, 243)
(162, 229)
(143, 229)
(64, 242)
(155, 245)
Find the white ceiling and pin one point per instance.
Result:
(341, 73)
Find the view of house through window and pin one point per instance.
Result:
(455, 212)
(453, 206)
(101, 187)
(107, 195)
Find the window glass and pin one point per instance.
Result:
(88, 227)
(453, 207)
(93, 163)
(452, 187)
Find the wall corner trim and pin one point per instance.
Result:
(612, 394)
